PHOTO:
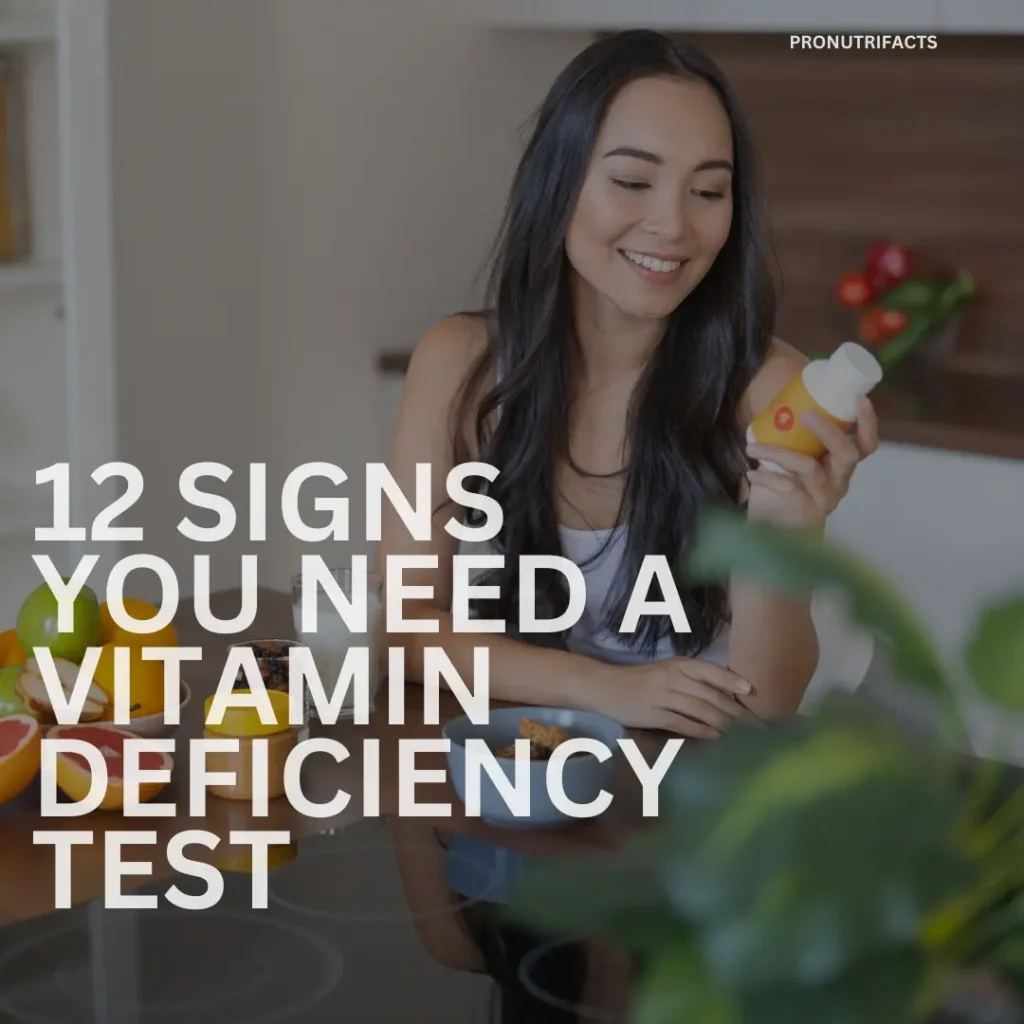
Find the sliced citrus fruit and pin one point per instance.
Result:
(20, 746)
(145, 680)
(74, 772)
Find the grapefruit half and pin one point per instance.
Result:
(20, 746)
(74, 773)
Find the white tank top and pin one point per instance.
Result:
(600, 569)
(589, 636)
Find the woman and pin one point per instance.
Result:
(627, 346)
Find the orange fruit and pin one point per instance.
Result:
(145, 680)
(20, 754)
(112, 633)
(74, 772)
(11, 652)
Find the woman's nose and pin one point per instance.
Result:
(668, 219)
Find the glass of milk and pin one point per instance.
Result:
(332, 638)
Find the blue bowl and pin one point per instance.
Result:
(583, 775)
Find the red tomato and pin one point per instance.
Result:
(854, 290)
(888, 263)
(879, 324)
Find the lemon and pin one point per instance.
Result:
(247, 722)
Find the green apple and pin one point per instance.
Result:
(10, 702)
(37, 624)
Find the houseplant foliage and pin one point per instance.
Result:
(899, 306)
(829, 869)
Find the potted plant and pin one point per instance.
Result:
(901, 307)
(830, 869)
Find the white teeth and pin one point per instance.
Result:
(650, 263)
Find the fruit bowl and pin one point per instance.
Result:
(148, 726)
(153, 726)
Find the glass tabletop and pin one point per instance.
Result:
(382, 920)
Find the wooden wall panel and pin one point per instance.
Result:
(926, 147)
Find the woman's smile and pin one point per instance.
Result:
(657, 269)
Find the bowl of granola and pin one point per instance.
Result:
(557, 781)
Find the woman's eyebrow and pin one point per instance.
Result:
(638, 154)
(653, 158)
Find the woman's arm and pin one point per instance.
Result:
(684, 695)
(518, 672)
(772, 641)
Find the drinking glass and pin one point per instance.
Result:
(272, 659)
(331, 640)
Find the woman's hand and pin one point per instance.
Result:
(811, 488)
(687, 696)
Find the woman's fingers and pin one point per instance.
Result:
(680, 724)
(714, 674)
(727, 703)
(704, 703)
(844, 449)
(794, 462)
(867, 427)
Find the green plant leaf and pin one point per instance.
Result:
(877, 990)
(927, 320)
(811, 772)
(679, 989)
(789, 868)
(995, 653)
(913, 294)
(797, 561)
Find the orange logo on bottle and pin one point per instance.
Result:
(784, 418)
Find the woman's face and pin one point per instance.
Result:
(656, 204)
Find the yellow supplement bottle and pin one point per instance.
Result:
(830, 387)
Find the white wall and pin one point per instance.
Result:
(188, 115)
(392, 136)
(947, 529)
(298, 185)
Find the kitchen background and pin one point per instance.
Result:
(244, 214)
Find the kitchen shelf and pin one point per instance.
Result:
(27, 30)
(18, 276)
(981, 414)
(977, 413)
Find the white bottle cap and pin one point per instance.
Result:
(856, 367)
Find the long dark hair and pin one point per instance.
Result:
(684, 442)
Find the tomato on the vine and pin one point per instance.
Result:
(878, 324)
(888, 263)
(854, 290)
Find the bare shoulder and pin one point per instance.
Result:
(782, 364)
(447, 351)
(438, 367)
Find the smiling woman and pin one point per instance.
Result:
(626, 346)
(666, 213)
